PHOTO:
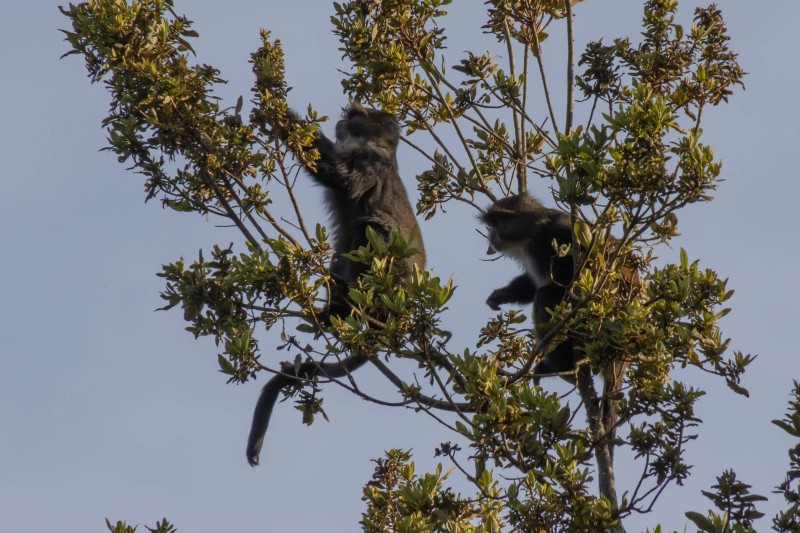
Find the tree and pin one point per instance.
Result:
(624, 156)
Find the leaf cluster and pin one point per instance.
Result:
(789, 520)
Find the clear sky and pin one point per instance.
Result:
(110, 409)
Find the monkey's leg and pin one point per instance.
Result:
(560, 358)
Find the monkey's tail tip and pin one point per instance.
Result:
(252, 455)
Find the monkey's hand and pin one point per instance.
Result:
(495, 299)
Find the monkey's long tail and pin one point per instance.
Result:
(271, 391)
(262, 414)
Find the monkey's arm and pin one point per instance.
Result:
(325, 147)
(270, 392)
(325, 165)
(521, 290)
(329, 170)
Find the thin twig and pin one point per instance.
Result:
(453, 122)
(522, 179)
(231, 213)
(236, 197)
(417, 396)
(525, 62)
(570, 67)
(290, 190)
(543, 75)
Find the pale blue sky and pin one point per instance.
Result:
(110, 409)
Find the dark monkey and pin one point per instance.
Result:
(363, 188)
(522, 228)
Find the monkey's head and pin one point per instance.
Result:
(509, 221)
(362, 128)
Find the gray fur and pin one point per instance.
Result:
(363, 188)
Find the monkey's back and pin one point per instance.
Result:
(375, 197)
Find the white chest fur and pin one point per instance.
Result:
(540, 276)
(539, 273)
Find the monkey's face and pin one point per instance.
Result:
(502, 242)
(495, 242)
(496, 220)
(360, 127)
(508, 223)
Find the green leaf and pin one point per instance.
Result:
(738, 389)
(306, 328)
(788, 428)
(225, 366)
(701, 521)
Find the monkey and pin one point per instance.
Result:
(359, 173)
(520, 227)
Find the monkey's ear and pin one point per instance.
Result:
(495, 215)
(357, 110)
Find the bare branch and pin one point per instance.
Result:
(570, 66)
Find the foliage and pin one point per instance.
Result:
(789, 520)
(627, 159)
(400, 500)
(162, 526)
(733, 498)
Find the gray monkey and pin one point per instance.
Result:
(362, 189)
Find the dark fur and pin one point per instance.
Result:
(522, 228)
(363, 188)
